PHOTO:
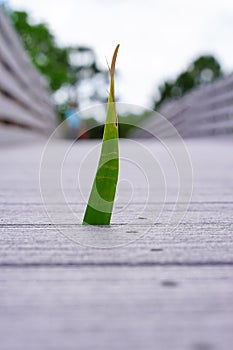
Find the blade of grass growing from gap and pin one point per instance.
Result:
(101, 200)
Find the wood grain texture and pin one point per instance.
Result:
(167, 290)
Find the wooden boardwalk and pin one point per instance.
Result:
(167, 290)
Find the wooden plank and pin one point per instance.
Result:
(11, 85)
(223, 99)
(116, 308)
(11, 111)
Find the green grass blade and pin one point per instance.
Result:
(101, 200)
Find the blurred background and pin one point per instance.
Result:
(168, 48)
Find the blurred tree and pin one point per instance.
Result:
(50, 59)
(203, 70)
(66, 68)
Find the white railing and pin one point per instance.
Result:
(24, 93)
(205, 111)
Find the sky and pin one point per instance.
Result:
(157, 39)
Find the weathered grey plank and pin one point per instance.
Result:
(12, 86)
(15, 113)
(116, 308)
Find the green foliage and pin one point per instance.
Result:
(129, 122)
(203, 70)
(62, 66)
(40, 44)
(101, 200)
(126, 124)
